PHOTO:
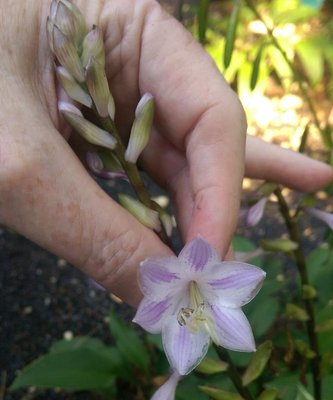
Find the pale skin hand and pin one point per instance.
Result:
(196, 150)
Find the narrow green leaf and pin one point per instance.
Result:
(268, 394)
(257, 363)
(304, 139)
(209, 366)
(231, 34)
(219, 394)
(312, 60)
(256, 67)
(303, 394)
(202, 19)
(128, 343)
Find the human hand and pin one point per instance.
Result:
(196, 149)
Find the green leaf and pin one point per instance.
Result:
(209, 366)
(81, 365)
(202, 19)
(268, 394)
(128, 343)
(219, 394)
(262, 313)
(231, 34)
(258, 362)
(312, 60)
(303, 394)
(256, 67)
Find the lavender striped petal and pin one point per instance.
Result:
(233, 329)
(198, 253)
(150, 314)
(159, 278)
(232, 284)
(183, 349)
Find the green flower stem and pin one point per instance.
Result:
(301, 266)
(133, 175)
(296, 75)
(233, 373)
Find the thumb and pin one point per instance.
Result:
(47, 196)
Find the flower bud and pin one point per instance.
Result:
(168, 389)
(72, 88)
(67, 54)
(141, 128)
(93, 47)
(86, 129)
(143, 214)
(256, 212)
(258, 363)
(279, 245)
(96, 166)
(295, 312)
(321, 215)
(69, 20)
(98, 86)
(210, 366)
(167, 222)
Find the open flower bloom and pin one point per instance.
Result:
(194, 298)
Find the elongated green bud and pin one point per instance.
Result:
(141, 128)
(86, 129)
(98, 86)
(295, 312)
(72, 88)
(93, 47)
(143, 214)
(210, 366)
(67, 54)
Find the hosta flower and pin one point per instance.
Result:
(194, 298)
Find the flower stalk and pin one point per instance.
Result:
(308, 304)
(233, 373)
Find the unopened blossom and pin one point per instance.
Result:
(256, 212)
(141, 128)
(195, 298)
(322, 215)
(168, 389)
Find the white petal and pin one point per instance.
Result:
(183, 349)
(168, 389)
(160, 278)
(197, 254)
(232, 329)
(150, 315)
(232, 284)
